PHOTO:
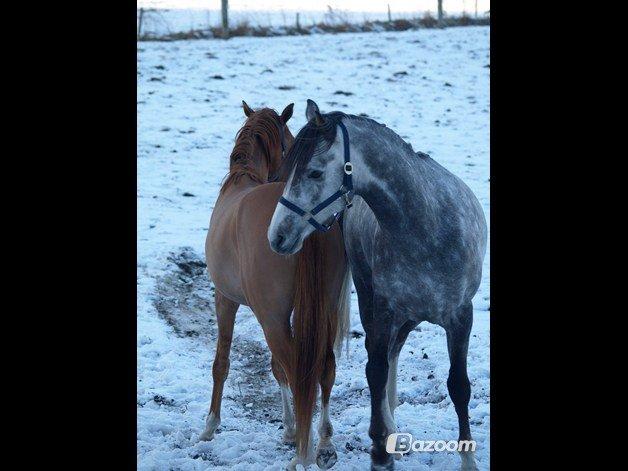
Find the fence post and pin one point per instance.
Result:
(225, 19)
(298, 23)
(139, 28)
(440, 13)
(476, 8)
(389, 16)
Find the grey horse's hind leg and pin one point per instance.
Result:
(458, 382)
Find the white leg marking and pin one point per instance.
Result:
(468, 461)
(288, 415)
(390, 402)
(325, 428)
(389, 421)
(211, 424)
(304, 461)
(391, 386)
(326, 455)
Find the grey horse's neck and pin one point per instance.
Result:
(390, 177)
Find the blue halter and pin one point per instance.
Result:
(345, 191)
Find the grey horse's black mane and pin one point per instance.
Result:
(313, 139)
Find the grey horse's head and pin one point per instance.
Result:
(313, 170)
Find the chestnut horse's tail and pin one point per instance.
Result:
(344, 313)
(317, 323)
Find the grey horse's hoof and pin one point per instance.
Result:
(326, 458)
(468, 462)
(390, 466)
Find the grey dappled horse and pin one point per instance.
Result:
(415, 236)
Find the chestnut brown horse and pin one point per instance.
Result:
(315, 285)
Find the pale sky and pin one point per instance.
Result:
(313, 5)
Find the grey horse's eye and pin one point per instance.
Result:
(315, 174)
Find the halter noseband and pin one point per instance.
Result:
(345, 191)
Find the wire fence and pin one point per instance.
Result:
(172, 24)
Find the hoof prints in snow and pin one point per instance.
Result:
(185, 296)
(255, 387)
(186, 302)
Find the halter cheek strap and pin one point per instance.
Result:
(345, 191)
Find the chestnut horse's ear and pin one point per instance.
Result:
(247, 109)
(286, 114)
(312, 113)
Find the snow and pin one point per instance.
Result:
(187, 121)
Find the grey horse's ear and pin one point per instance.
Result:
(247, 109)
(286, 114)
(312, 113)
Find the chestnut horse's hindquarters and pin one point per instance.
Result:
(320, 322)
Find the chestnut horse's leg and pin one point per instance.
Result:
(326, 453)
(280, 344)
(225, 314)
(286, 402)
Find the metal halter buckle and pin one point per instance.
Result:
(348, 168)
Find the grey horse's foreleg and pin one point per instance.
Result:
(378, 348)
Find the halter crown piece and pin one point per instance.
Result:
(345, 191)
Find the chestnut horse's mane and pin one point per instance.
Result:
(261, 130)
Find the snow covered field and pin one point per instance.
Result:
(432, 88)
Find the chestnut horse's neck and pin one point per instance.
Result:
(257, 151)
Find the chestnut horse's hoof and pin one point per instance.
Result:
(288, 438)
(211, 425)
(292, 466)
(326, 458)
(206, 436)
